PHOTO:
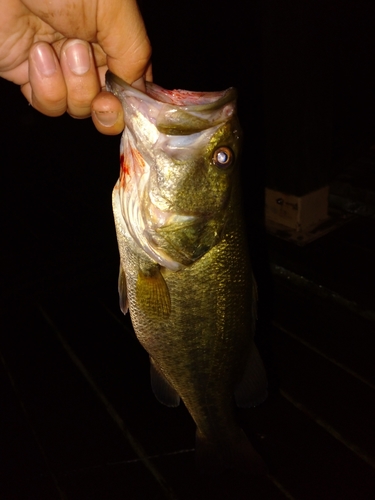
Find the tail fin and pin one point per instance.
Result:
(214, 458)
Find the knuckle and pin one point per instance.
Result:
(48, 105)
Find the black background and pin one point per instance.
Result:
(305, 72)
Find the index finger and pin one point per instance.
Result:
(123, 37)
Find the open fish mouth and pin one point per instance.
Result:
(201, 104)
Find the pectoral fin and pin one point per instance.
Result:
(152, 293)
(122, 291)
(252, 390)
(162, 389)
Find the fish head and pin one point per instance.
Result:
(179, 158)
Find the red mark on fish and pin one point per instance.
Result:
(131, 165)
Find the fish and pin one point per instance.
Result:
(185, 272)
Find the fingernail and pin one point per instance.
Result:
(78, 58)
(106, 118)
(44, 59)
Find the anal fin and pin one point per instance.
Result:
(252, 390)
(162, 389)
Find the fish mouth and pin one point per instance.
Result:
(194, 101)
(196, 111)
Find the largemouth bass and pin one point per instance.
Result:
(185, 273)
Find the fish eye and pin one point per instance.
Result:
(223, 157)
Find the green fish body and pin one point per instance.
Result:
(185, 273)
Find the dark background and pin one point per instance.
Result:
(305, 72)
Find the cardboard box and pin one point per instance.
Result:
(298, 213)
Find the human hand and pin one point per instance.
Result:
(59, 51)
